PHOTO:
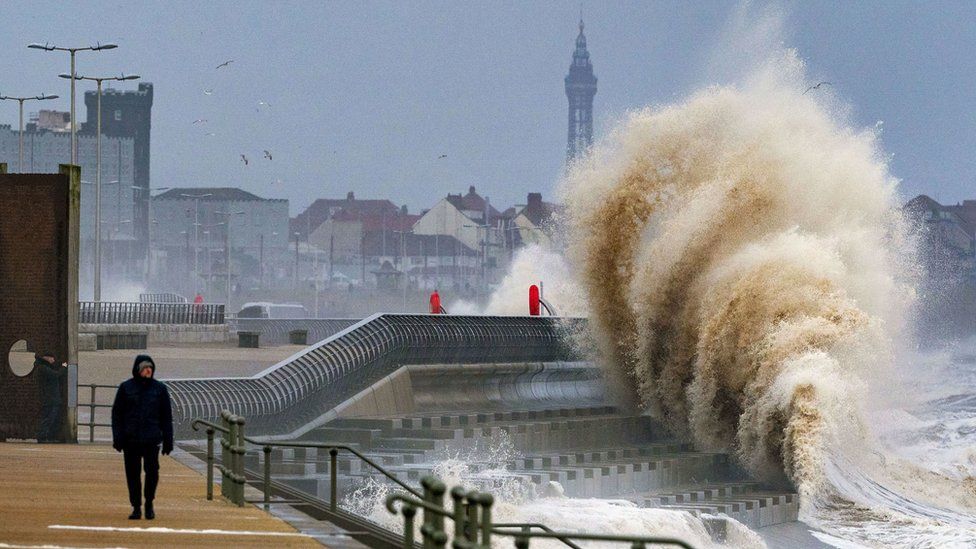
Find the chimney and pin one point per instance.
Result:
(350, 196)
(535, 201)
(471, 189)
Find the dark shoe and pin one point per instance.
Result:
(136, 514)
(150, 514)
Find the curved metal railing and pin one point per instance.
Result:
(302, 388)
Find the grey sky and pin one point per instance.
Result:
(366, 96)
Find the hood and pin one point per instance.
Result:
(139, 359)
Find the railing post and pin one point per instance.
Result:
(460, 515)
(437, 498)
(225, 455)
(232, 450)
(267, 477)
(486, 502)
(638, 545)
(333, 478)
(241, 479)
(408, 513)
(210, 462)
(471, 532)
(91, 415)
(521, 542)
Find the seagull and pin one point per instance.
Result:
(442, 156)
(277, 182)
(244, 158)
(225, 63)
(817, 87)
(207, 92)
(267, 154)
(211, 133)
(200, 121)
(263, 104)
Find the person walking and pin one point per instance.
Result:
(142, 419)
(49, 380)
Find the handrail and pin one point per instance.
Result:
(472, 519)
(91, 408)
(267, 445)
(525, 526)
(471, 514)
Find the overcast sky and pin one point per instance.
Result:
(366, 96)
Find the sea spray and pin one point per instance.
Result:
(749, 276)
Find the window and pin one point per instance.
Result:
(118, 113)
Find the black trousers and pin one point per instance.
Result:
(50, 422)
(141, 456)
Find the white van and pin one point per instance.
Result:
(264, 309)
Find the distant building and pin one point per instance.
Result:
(323, 209)
(128, 115)
(473, 221)
(534, 223)
(44, 150)
(948, 235)
(580, 90)
(53, 121)
(189, 235)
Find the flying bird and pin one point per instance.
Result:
(267, 154)
(277, 182)
(264, 104)
(200, 121)
(225, 63)
(211, 133)
(442, 156)
(244, 158)
(207, 92)
(817, 87)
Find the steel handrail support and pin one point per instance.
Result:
(469, 523)
(91, 408)
(266, 449)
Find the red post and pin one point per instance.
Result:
(435, 303)
(534, 308)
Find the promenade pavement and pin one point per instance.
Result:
(69, 495)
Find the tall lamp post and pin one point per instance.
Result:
(196, 228)
(96, 47)
(227, 245)
(98, 158)
(42, 97)
(149, 224)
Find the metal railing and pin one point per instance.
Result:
(233, 448)
(473, 525)
(92, 405)
(274, 331)
(122, 312)
(163, 297)
(471, 513)
(300, 389)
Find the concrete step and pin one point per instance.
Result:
(754, 508)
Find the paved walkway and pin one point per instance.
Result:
(69, 495)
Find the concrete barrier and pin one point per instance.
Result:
(159, 334)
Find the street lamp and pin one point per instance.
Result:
(149, 224)
(98, 156)
(42, 97)
(227, 245)
(196, 226)
(96, 47)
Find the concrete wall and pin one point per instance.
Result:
(159, 334)
(38, 245)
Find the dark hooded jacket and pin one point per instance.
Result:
(49, 379)
(141, 413)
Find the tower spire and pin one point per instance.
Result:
(580, 89)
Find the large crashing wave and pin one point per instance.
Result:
(741, 257)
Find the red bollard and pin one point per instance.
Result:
(435, 303)
(534, 307)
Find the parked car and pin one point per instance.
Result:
(264, 309)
